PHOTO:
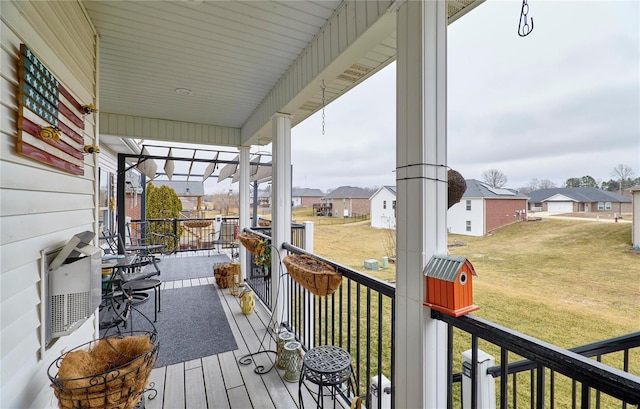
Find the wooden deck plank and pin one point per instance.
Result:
(195, 397)
(239, 398)
(174, 387)
(214, 384)
(230, 370)
(156, 381)
(286, 396)
(219, 381)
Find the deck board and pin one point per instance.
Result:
(174, 387)
(195, 397)
(219, 381)
(214, 385)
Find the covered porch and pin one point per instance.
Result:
(241, 75)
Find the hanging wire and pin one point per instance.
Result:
(523, 25)
(323, 88)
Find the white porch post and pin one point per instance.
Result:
(243, 187)
(420, 348)
(280, 205)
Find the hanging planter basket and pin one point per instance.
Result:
(250, 241)
(111, 372)
(457, 186)
(316, 276)
(197, 223)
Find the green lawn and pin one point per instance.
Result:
(565, 282)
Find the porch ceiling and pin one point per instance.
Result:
(227, 66)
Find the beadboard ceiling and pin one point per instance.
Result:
(215, 62)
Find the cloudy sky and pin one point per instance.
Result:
(562, 102)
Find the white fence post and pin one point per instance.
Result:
(486, 398)
(308, 236)
(380, 387)
(309, 310)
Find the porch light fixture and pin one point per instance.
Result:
(183, 91)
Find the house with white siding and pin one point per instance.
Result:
(383, 208)
(484, 208)
(481, 209)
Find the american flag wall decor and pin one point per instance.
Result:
(50, 120)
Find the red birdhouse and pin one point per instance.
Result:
(449, 285)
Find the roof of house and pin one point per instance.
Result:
(478, 189)
(578, 194)
(391, 189)
(306, 192)
(348, 192)
(182, 188)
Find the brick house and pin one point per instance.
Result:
(484, 208)
(305, 197)
(578, 199)
(348, 201)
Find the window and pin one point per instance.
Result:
(384, 204)
(600, 206)
(393, 205)
(607, 205)
(468, 225)
(105, 199)
(468, 204)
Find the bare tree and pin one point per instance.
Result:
(494, 178)
(546, 184)
(622, 172)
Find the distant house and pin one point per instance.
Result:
(383, 208)
(347, 201)
(484, 208)
(578, 199)
(481, 209)
(635, 235)
(305, 197)
(264, 198)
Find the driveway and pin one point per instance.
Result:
(591, 217)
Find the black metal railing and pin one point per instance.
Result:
(258, 277)
(191, 234)
(549, 376)
(358, 317)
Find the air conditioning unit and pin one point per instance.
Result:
(73, 285)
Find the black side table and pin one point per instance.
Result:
(329, 366)
(137, 286)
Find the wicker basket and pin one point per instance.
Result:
(250, 241)
(111, 372)
(224, 274)
(314, 275)
(197, 223)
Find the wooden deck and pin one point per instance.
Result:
(219, 381)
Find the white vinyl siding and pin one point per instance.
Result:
(467, 217)
(383, 216)
(40, 206)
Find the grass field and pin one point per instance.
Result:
(566, 282)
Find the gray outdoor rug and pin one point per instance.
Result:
(184, 268)
(191, 325)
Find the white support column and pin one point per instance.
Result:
(243, 184)
(420, 348)
(280, 205)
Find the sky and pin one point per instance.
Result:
(562, 102)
